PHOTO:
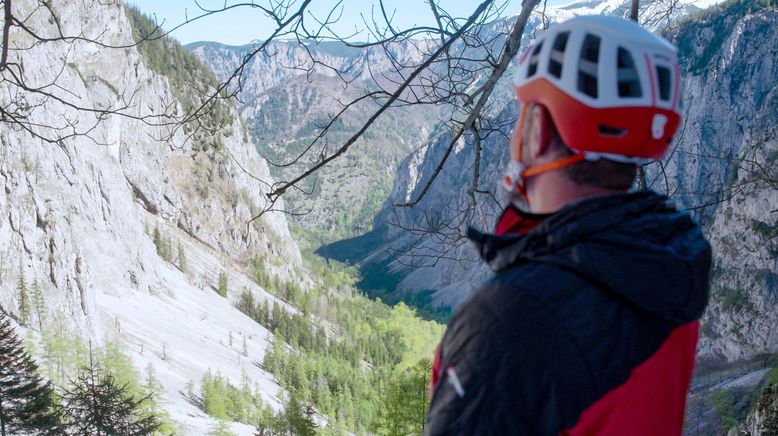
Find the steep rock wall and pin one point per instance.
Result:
(76, 216)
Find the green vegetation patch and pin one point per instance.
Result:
(735, 299)
(724, 404)
(191, 82)
(379, 282)
(721, 19)
(765, 230)
(362, 364)
(83, 79)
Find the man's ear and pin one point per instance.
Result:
(545, 129)
(540, 132)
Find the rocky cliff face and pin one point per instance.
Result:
(721, 168)
(763, 418)
(78, 215)
(286, 100)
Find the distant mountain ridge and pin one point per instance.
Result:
(284, 100)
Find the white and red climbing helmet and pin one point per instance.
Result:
(611, 87)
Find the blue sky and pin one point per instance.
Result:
(243, 25)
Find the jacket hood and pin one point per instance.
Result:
(636, 245)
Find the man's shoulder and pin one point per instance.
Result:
(512, 352)
(531, 286)
(525, 306)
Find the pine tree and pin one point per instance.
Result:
(404, 402)
(214, 395)
(276, 317)
(222, 289)
(168, 249)
(24, 298)
(152, 387)
(63, 350)
(98, 405)
(158, 242)
(265, 318)
(39, 304)
(245, 351)
(299, 418)
(221, 429)
(189, 388)
(27, 402)
(181, 257)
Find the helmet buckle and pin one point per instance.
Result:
(658, 126)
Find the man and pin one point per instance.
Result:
(589, 325)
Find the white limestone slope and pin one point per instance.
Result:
(74, 214)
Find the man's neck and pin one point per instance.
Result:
(550, 192)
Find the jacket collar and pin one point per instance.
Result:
(570, 224)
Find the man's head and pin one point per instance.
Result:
(541, 144)
(599, 95)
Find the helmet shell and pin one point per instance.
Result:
(611, 87)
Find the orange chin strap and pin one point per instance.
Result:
(518, 180)
(553, 165)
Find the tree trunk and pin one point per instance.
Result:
(633, 12)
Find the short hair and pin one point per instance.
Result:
(602, 173)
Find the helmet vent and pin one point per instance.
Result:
(612, 131)
(558, 54)
(628, 80)
(533, 60)
(587, 66)
(663, 74)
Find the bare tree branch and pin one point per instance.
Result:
(509, 52)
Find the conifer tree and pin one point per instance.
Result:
(152, 387)
(168, 249)
(223, 283)
(265, 318)
(299, 417)
(221, 429)
(98, 405)
(404, 402)
(3, 260)
(158, 243)
(24, 298)
(189, 388)
(63, 350)
(181, 257)
(27, 404)
(38, 303)
(276, 316)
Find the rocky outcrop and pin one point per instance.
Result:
(722, 168)
(763, 418)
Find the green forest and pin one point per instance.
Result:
(348, 364)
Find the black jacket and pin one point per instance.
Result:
(575, 305)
